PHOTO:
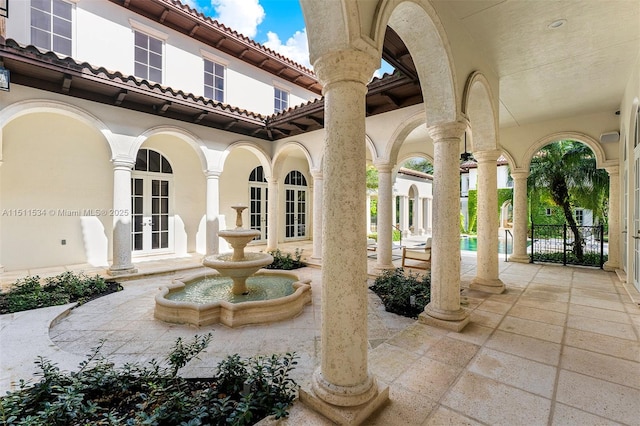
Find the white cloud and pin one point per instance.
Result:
(295, 48)
(243, 16)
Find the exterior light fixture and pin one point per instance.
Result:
(4, 8)
(4, 79)
(466, 156)
(554, 25)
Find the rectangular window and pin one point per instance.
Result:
(549, 212)
(148, 57)
(51, 25)
(579, 217)
(281, 100)
(214, 80)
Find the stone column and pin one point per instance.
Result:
(385, 221)
(520, 217)
(342, 388)
(272, 214)
(213, 211)
(487, 274)
(317, 215)
(613, 262)
(121, 262)
(404, 215)
(394, 214)
(368, 210)
(444, 309)
(418, 208)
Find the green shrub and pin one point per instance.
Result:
(396, 288)
(29, 293)
(286, 261)
(241, 392)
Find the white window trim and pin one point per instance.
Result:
(214, 58)
(150, 31)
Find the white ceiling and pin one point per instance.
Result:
(580, 68)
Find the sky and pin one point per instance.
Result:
(277, 24)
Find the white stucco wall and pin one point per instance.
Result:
(59, 167)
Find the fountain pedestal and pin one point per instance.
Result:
(240, 266)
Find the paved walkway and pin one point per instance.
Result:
(560, 347)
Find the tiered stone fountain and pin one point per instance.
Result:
(204, 298)
(239, 266)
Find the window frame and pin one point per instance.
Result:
(151, 34)
(51, 31)
(278, 101)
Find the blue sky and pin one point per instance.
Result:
(277, 24)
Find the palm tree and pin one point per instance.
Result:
(566, 172)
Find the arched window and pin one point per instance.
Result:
(295, 178)
(257, 175)
(149, 160)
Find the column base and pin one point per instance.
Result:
(488, 286)
(127, 270)
(345, 415)
(383, 267)
(608, 266)
(449, 320)
(519, 259)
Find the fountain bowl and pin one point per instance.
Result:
(227, 313)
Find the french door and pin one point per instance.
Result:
(151, 204)
(295, 213)
(152, 230)
(258, 205)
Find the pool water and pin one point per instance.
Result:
(471, 244)
(211, 289)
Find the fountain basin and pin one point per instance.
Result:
(229, 313)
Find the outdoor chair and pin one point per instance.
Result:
(419, 254)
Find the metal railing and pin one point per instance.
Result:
(559, 244)
(507, 233)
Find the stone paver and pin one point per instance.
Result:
(560, 347)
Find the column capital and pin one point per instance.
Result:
(486, 156)
(612, 170)
(519, 174)
(123, 163)
(212, 174)
(383, 166)
(316, 174)
(345, 65)
(448, 131)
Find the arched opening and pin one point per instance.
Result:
(568, 204)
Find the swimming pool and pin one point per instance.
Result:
(471, 244)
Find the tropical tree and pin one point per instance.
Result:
(565, 172)
(420, 165)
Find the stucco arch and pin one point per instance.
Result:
(478, 104)
(282, 152)
(419, 26)
(415, 154)
(400, 134)
(371, 147)
(26, 107)
(263, 157)
(192, 140)
(580, 137)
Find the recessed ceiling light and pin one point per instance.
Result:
(556, 24)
